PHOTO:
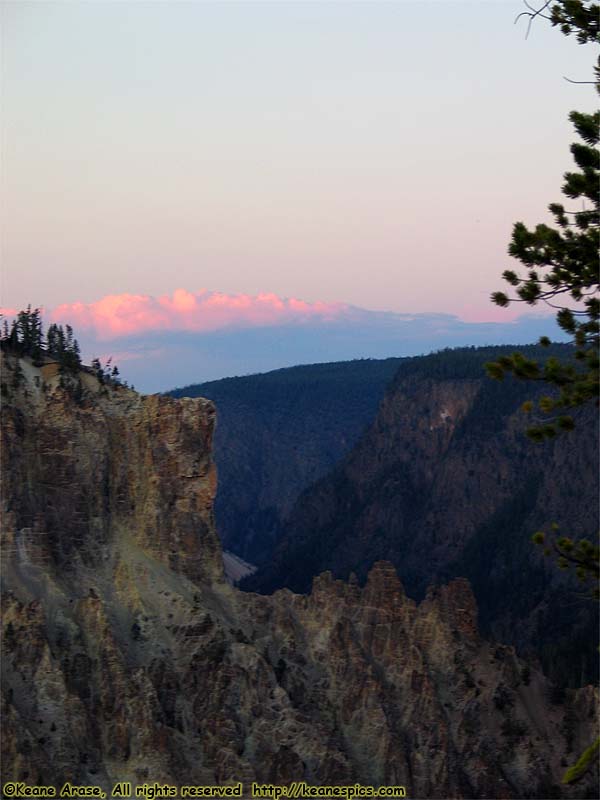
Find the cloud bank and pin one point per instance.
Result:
(120, 315)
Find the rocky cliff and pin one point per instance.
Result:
(126, 656)
(445, 484)
(279, 432)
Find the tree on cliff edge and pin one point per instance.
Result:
(562, 271)
(562, 262)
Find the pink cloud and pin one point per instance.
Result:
(127, 314)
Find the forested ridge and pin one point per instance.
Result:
(445, 483)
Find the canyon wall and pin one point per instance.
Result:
(279, 432)
(444, 484)
(126, 656)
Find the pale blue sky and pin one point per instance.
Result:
(370, 153)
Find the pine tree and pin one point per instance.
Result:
(25, 338)
(51, 339)
(13, 339)
(562, 267)
(64, 347)
(97, 368)
(562, 262)
(29, 332)
(562, 271)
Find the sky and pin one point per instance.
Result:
(174, 340)
(364, 154)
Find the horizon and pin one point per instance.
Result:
(164, 343)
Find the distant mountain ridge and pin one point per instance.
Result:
(156, 359)
(278, 432)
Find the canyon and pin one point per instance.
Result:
(278, 433)
(445, 483)
(127, 656)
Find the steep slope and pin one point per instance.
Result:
(445, 484)
(279, 432)
(126, 656)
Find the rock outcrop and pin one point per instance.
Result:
(278, 433)
(126, 656)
